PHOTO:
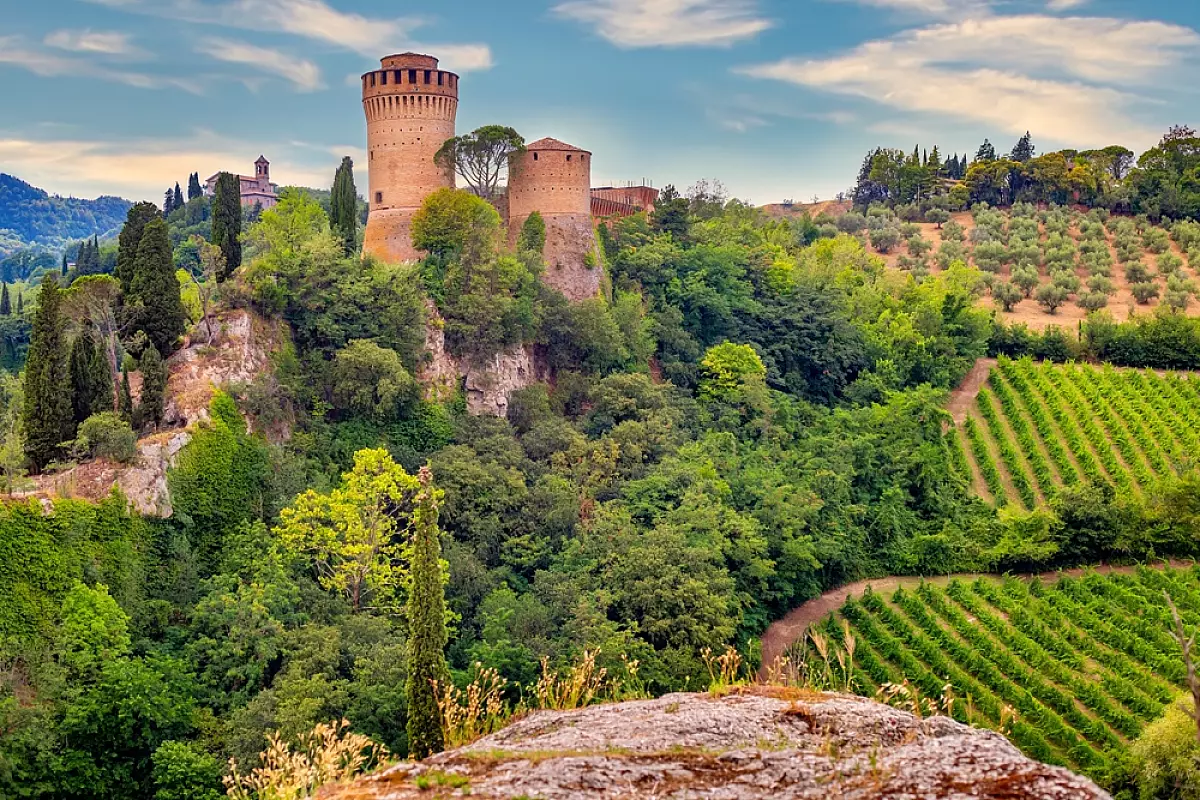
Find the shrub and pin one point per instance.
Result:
(1101, 284)
(106, 435)
(919, 246)
(1091, 301)
(1007, 294)
(1144, 292)
(884, 239)
(328, 754)
(371, 381)
(1166, 758)
(952, 232)
(1050, 297)
(938, 216)
(1026, 278)
(851, 222)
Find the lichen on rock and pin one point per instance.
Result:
(757, 743)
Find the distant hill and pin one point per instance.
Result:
(31, 217)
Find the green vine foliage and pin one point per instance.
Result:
(42, 553)
(219, 479)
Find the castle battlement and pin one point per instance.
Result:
(410, 106)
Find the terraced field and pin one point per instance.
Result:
(1037, 427)
(1048, 664)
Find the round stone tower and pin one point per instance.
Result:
(410, 106)
(555, 179)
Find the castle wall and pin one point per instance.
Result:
(410, 107)
(557, 184)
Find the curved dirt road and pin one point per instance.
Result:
(782, 633)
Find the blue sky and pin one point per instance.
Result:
(775, 98)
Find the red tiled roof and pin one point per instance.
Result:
(554, 144)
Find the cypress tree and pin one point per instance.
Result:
(154, 387)
(178, 198)
(194, 189)
(47, 413)
(64, 261)
(532, 238)
(91, 383)
(343, 206)
(20, 303)
(131, 237)
(5, 303)
(168, 202)
(125, 409)
(153, 301)
(88, 260)
(426, 626)
(227, 222)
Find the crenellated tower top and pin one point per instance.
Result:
(410, 106)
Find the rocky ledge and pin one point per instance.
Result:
(757, 743)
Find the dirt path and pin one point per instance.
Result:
(964, 396)
(783, 633)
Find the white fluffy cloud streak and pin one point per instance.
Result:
(303, 74)
(312, 19)
(108, 43)
(1066, 79)
(668, 23)
(15, 52)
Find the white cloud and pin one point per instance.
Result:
(303, 74)
(15, 52)
(139, 169)
(316, 20)
(1065, 5)
(932, 8)
(1071, 80)
(108, 43)
(668, 23)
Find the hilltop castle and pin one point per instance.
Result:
(411, 107)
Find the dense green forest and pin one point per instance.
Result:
(752, 412)
(31, 217)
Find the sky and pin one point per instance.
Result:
(777, 99)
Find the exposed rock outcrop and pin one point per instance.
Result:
(768, 743)
(144, 482)
(241, 350)
(487, 384)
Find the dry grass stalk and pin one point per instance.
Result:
(725, 669)
(476, 711)
(582, 685)
(329, 753)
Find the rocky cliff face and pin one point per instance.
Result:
(487, 385)
(761, 743)
(239, 352)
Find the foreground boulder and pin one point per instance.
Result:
(760, 743)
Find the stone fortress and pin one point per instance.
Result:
(411, 107)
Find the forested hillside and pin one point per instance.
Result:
(751, 412)
(31, 217)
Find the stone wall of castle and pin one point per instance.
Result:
(410, 106)
(555, 179)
